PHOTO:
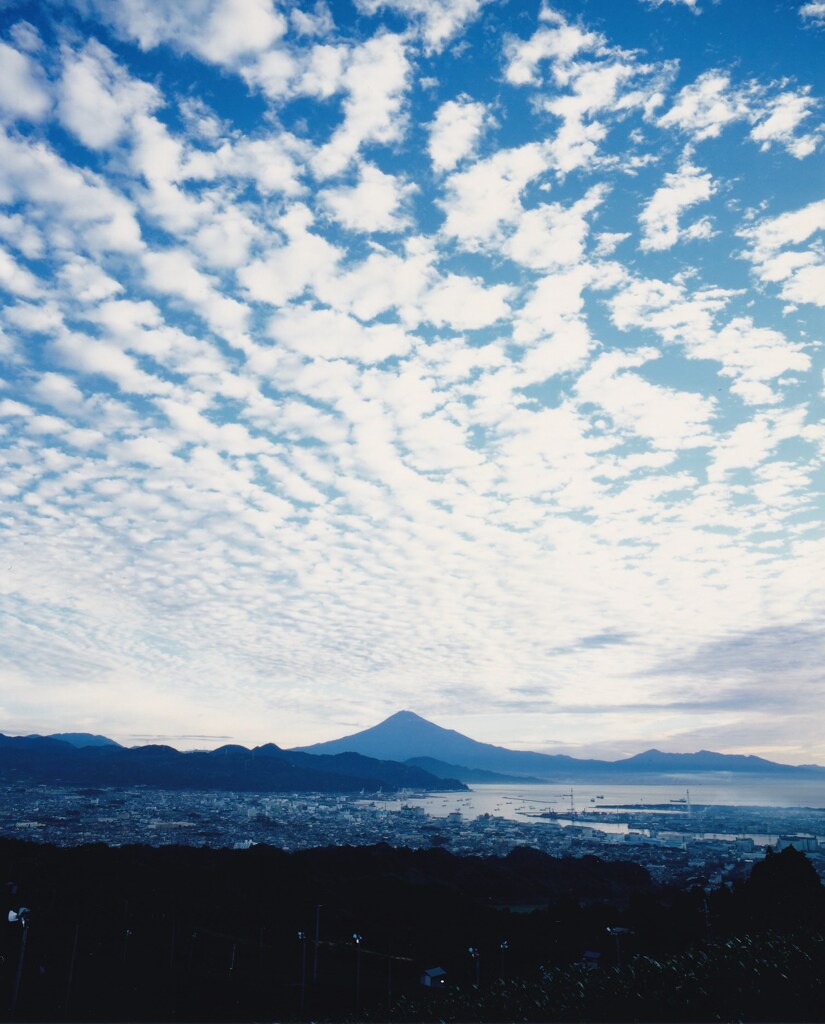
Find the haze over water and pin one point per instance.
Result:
(516, 801)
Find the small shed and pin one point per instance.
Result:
(590, 959)
(434, 977)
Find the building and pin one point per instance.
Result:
(807, 844)
(434, 977)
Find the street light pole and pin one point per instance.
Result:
(617, 934)
(503, 947)
(21, 915)
(302, 938)
(357, 939)
(474, 953)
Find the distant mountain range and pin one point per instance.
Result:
(83, 739)
(409, 738)
(405, 751)
(464, 774)
(47, 760)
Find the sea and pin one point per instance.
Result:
(588, 799)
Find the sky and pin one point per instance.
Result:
(462, 356)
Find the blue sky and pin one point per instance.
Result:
(455, 355)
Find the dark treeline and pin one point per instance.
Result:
(176, 933)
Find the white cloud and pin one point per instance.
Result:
(667, 417)
(455, 132)
(90, 356)
(813, 12)
(225, 238)
(554, 299)
(98, 98)
(480, 200)
(98, 217)
(319, 23)
(660, 217)
(274, 163)
(59, 391)
(612, 88)
(173, 272)
(553, 235)
(23, 88)
(750, 443)
(465, 303)
(274, 71)
(383, 281)
(87, 281)
(376, 203)
(779, 122)
(801, 273)
(220, 31)
(560, 43)
(324, 334)
(608, 241)
(551, 325)
(22, 235)
(692, 4)
(774, 233)
(711, 103)
(16, 279)
(611, 83)
(26, 36)
(285, 272)
(706, 106)
(376, 79)
(749, 354)
(439, 20)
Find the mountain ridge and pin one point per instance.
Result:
(267, 768)
(84, 739)
(406, 736)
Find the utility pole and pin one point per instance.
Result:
(71, 970)
(317, 943)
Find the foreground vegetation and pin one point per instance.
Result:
(763, 977)
(178, 933)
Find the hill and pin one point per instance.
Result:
(43, 759)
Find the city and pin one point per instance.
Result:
(713, 842)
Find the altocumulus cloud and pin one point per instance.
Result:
(395, 352)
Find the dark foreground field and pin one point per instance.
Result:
(175, 933)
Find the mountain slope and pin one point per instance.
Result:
(84, 739)
(42, 759)
(406, 736)
(464, 774)
(710, 761)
